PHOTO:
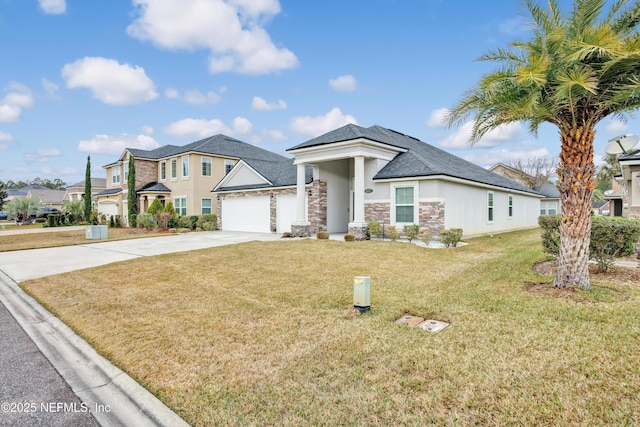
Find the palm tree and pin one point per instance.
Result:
(22, 208)
(576, 70)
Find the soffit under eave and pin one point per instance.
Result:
(346, 150)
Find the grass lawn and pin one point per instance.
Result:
(62, 237)
(264, 334)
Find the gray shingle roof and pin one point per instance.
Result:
(217, 145)
(281, 174)
(155, 187)
(109, 191)
(420, 159)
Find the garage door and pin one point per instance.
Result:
(108, 209)
(286, 210)
(246, 214)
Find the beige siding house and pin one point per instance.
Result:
(184, 175)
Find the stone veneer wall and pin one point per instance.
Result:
(317, 204)
(430, 216)
(146, 172)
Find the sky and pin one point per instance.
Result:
(85, 78)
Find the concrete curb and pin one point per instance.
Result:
(112, 396)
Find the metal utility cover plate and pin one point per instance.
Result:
(432, 325)
(410, 320)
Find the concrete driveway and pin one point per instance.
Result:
(35, 263)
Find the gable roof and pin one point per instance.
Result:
(419, 159)
(277, 174)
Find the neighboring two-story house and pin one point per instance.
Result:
(627, 204)
(184, 175)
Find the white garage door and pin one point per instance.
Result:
(286, 210)
(246, 214)
(108, 209)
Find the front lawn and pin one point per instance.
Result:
(264, 334)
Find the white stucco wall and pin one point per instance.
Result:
(336, 175)
(466, 208)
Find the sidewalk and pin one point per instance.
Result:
(53, 377)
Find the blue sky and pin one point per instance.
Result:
(83, 78)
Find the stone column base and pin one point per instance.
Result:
(301, 230)
(360, 231)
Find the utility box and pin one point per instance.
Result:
(96, 232)
(362, 293)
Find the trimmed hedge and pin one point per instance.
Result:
(611, 237)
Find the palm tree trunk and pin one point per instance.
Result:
(576, 173)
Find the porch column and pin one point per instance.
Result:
(358, 227)
(301, 226)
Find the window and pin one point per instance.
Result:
(490, 206)
(174, 169)
(404, 204)
(163, 171)
(510, 206)
(206, 166)
(125, 166)
(228, 165)
(115, 175)
(185, 167)
(206, 206)
(180, 205)
(548, 208)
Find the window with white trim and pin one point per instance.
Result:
(163, 171)
(180, 205)
(185, 166)
(404, 204)
(125, 166)
(115, 175)
(205, 206)
(489, 206)
(174, 169)
(228, 165)
(206, 166)
(548, 208)
(510, 206)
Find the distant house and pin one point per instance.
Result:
(75, 191)
(625, 196)
(550, 202)
(345, 178)
(47, 197)
(184, 175)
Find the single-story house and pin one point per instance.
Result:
(340, 181)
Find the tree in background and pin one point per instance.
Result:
(21, 208)
(539, 169)
(132, 200)
(87, 190)
(56, 184)
(3, 195)
(577, 69)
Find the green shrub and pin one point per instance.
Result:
(206, 218)
(133, 220)
(411, 231)
(112, 222)
(349, 237)
(451, 237)
(118, 221)
(550, 225)
(52, 220)
(611, 238)
(323, 235)
(392, 232)
(375, 229)
(184, 222)
(148, 221)
(156, 207)
(208, 226)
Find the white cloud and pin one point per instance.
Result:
(315, 126)
(502, 135)
(346, 83)
(5, 140)
(616, 127)
(147, 130)
(232, 31)
(42, 155)
(17, 98)
(262, 105)
(49, 87)
(49, 152)
(171, 93)
(274, 134)
(199, 128)
(111, 82)
(438, 118)
(116, 144)
(193, 96)
(58, 172)
(242, 126)
(53, 7)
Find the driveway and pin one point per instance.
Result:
(35, 263)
